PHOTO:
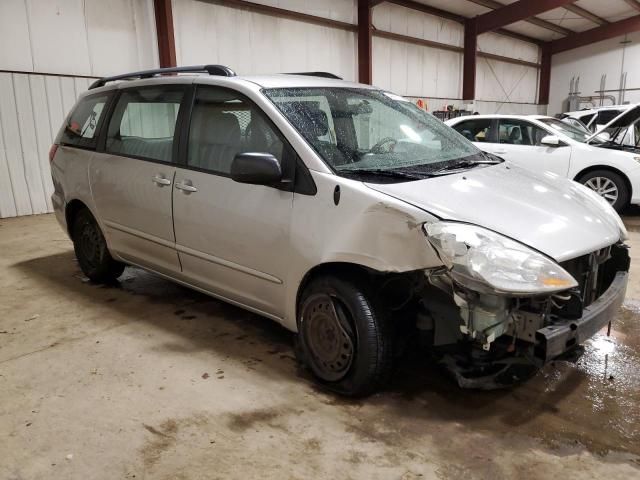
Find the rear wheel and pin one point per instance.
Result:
(91, 250)
(609, 185)
(344, 337)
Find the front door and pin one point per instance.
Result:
(232, 238)
(132, 180)
(519, 142)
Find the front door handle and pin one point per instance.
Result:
(161, 181)
(186, 187)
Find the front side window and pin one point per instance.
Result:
(82, 124)
(143, 123)
(476, 130)
(225, 123)
(358, 130)
(521, 132)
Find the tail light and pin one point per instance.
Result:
(52, 152)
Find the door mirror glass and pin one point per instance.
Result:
(550, 141)
(256, 169)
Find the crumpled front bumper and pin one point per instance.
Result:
(560, 337)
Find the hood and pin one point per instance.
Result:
(551, 214)
(622, 121)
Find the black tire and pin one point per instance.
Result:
(91, 250)
(366, 365)
(590, 180)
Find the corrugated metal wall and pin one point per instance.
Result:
(73, 38)
(252, 42)
(435, 74)
(32, 108)
(245, 40)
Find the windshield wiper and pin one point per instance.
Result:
(386, 173)
(465, 164)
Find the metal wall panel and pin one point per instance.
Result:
(508, 47)
(342, 10)
(32, 109)
(393, 18)
(414, 70)
(77, 37)
(68, 37)
(252, 42)
(505, 82)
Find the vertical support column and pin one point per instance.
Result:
(164, 32)
(545, 75)
(365, 42)
(469, 63)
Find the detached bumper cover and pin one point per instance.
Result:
(554, 340)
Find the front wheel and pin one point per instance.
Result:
(344, 337)
(91, 250)
(609, 185)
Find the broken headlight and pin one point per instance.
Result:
(486, 261)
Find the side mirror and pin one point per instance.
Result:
(550, 141)
(256, 169)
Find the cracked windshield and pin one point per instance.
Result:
(374, 133)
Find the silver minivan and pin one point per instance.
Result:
(343, 212)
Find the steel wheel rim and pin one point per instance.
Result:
(605, 187)
(328, 337)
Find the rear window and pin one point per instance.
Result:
(81, 127)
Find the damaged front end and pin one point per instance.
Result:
(497, 310)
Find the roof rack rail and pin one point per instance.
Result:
(316, 74)
(220, 70)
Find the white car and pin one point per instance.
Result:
(598, 117)
(542, 143)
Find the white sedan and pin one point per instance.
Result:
(542, 143)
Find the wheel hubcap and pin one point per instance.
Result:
(328, 336)
(604, 187)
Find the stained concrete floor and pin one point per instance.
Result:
(149, 380)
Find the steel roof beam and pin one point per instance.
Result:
(421, 7)
(533, 20)
(515, 12)
(598, 34)
(586, 14)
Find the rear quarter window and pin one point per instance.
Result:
(83, 123)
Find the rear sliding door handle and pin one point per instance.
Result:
(161, 181)
(186, 187)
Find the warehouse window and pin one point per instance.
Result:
(223, 124)
(143, 123)
(82, 125)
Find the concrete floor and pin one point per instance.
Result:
(151, 380)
